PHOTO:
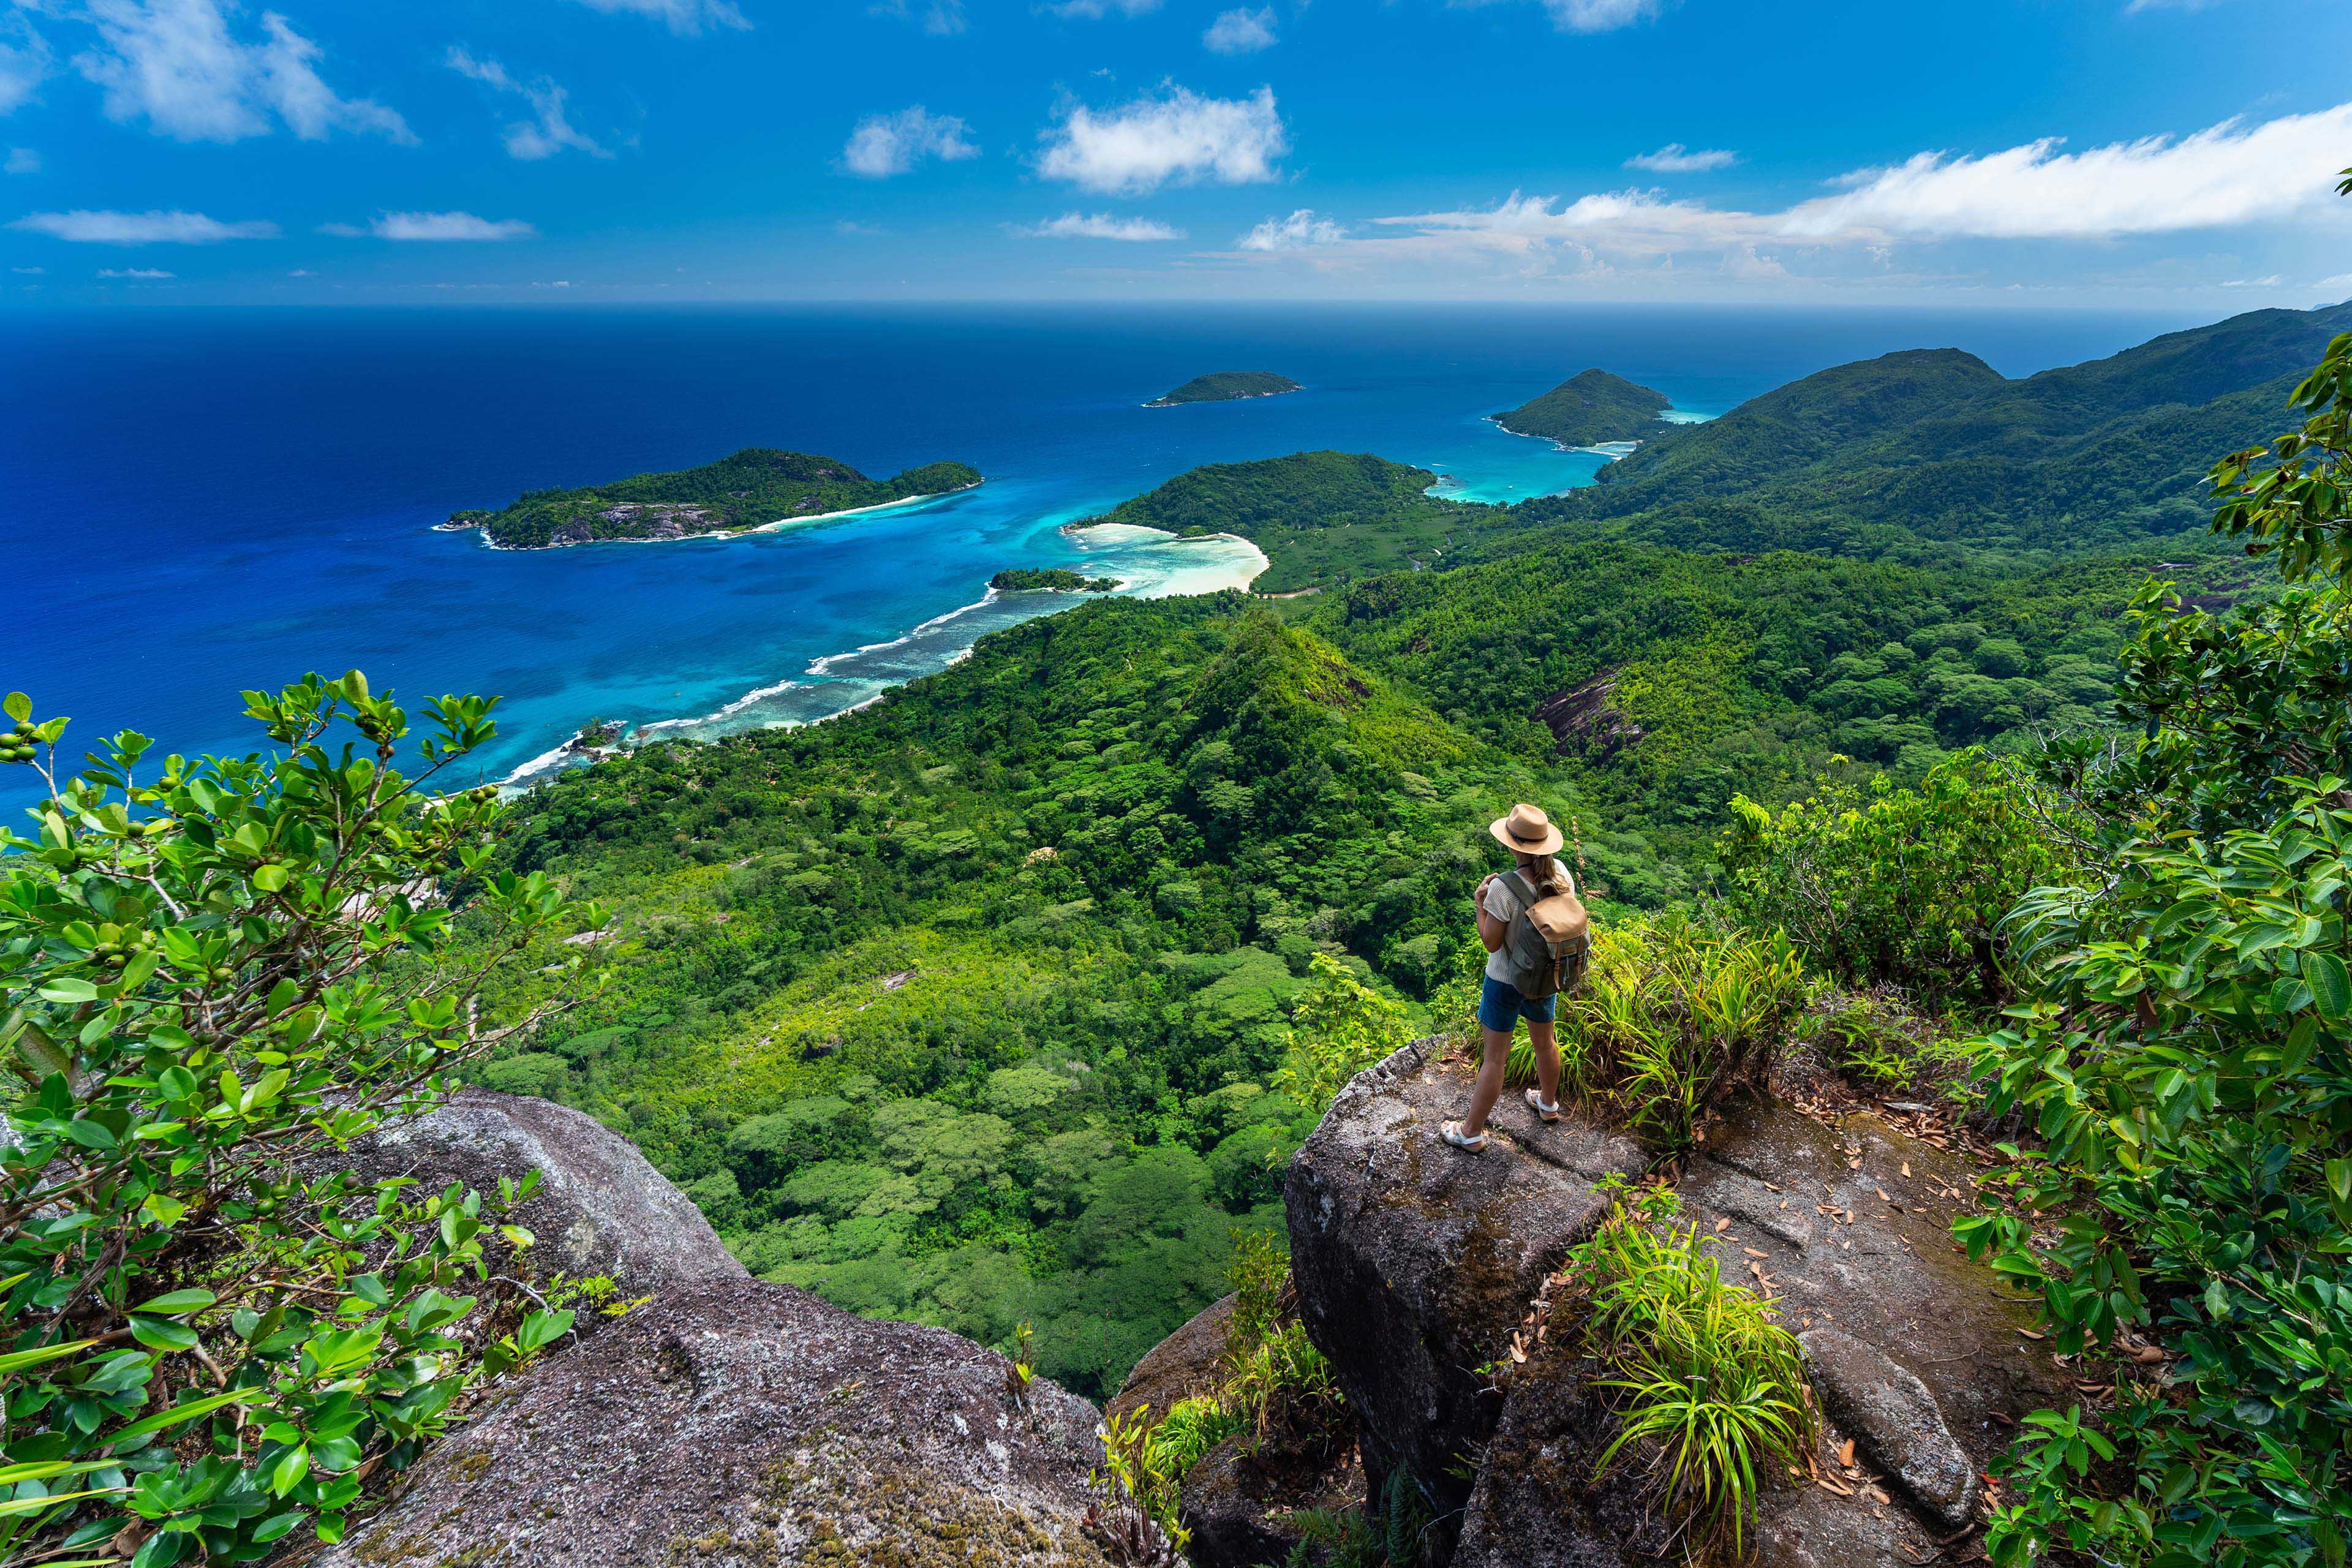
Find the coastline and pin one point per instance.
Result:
(810, 695)
(781, 523)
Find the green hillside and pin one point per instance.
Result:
(973, 1007)
(1320, 517)
(1589, 408)
(755, 487)
(1931, 455)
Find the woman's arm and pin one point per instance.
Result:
(1490, 930)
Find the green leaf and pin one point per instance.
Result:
(162, 1334)
(269, 878)
(17, 1361)
(68, 990)
(2331, 986)
(178, 1301)
(17, 706)
(177, 1414)
(287, 1473)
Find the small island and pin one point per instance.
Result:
(757, 488)
(1227, 386)
(1049, 579)
(1590, 409)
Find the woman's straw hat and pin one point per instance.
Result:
(1526, 831)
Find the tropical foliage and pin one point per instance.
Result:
(215, 1336)
(2184, 1053)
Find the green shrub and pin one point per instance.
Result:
(1899, 885)
(1708, 1374)
(1671, 1010)
(212, 985)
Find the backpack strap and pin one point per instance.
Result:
(1525, 890)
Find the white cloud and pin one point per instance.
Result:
(1180, 137)
(1673, 158)
(88, 227)
(26, 61)
(2226, 174)
(528, 140)
(139, 272)
(22, 160)
(1092, 9)
(1593, 16)
(2272, 281)
(28, 271)
(1101, 226)
(941, 18)
(685, 16)
(2341, 280)
(1742, 262)
(447, 227)
(1241, 32)
(846, 227)
(301, 272)
(886, 144)
(1296, 232)
(2136, 7)
(177, 65)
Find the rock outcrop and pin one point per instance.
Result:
(601, 1209)
(1416, 1264)
(741, 1423)
(725, 1421)
(1414, 1261)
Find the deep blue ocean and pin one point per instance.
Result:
(194, 503)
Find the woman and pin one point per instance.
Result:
(1532, 840)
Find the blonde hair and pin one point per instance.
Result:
(1544, 872)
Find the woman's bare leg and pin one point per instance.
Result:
(1546, 1045)
(1488, 1087)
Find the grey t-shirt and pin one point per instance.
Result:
(1504, 905)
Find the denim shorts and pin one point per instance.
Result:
(1500, 1007)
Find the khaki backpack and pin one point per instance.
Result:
(1548, 946)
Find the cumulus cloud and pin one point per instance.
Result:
(177, 65)
(87, 228)
(447, 227)
(1093, 9)
(1241, 32)
(2229, 173)
(22, 160)
(1673, 158)
(888, 144)
(28, 271)
(1296, 232)
(1101, 226)
(1179, 136)
(530, 140)
(941, 18)
(685, 16)
(26, 61)
(2341, 280)
(149, 273)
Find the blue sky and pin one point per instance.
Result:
(2070, 152)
